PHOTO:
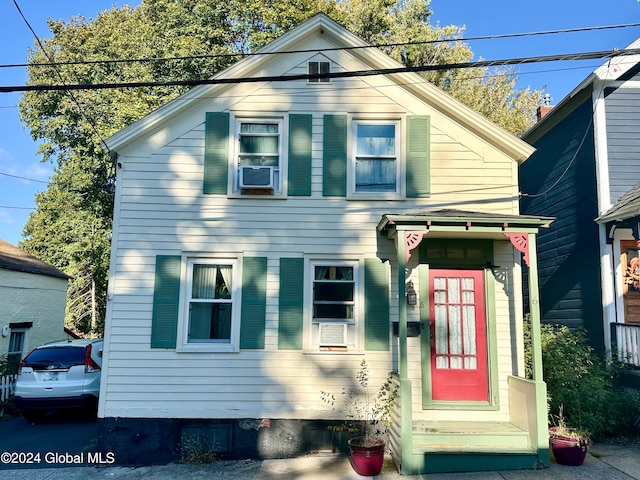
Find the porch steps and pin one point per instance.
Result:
(456, 446)
(478, 437)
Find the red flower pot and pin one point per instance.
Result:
(567, 450)
(367, 455)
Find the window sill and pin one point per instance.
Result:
(332, 351)
(251, 194)
(207, 348)
(257, 191)
(376, 196)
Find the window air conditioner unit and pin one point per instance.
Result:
(256, 177)
(333, 334)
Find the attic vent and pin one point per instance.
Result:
(321, 68)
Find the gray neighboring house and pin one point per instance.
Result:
(33, 296)
(586, 173)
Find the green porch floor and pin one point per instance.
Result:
(457, 446)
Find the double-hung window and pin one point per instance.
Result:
(259, 155)
(376, 154)
(334, 305)
(211, 302)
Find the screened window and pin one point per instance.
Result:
(316, 68)
(210, 306)
(376, 157)
(334, 304)
(259, 154)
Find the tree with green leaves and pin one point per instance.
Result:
(71, 226)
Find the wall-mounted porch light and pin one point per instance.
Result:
(412, 296)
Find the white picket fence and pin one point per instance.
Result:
(7, 387)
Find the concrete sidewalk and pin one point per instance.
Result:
(604, 462)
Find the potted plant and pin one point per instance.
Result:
(569, 446)
(366, 414)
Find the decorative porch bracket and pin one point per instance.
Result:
(412, 239)
(521, 242)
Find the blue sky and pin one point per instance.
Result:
(18, 152)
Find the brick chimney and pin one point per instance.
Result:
(544, 108)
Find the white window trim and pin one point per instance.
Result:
(188, 261)
(358, 309)
(283, 146)
(25, 341)
(399, 194)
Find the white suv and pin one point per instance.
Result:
(64, 374)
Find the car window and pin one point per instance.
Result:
(55, 357)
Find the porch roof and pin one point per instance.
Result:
(625, 208)
(452, 221)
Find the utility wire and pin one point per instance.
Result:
(73, 97)
(358, 73)
(287, 52)
(22, 178)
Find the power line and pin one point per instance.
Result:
(358, 73)
(17, 208)
(23, 178)
(386, 45)
(70, 93)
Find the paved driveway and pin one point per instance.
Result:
(60, 440)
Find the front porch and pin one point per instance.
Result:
(465, 446)
(506, 429)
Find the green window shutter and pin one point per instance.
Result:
(254, 300)
(166, 296)
(376, 305)
(291, 297)
(334, 159)
(300, 154)
(216, 152)
(418, 156)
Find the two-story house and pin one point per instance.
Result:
(268, 227)
(586, 173)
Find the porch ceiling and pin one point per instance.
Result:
(462, 223)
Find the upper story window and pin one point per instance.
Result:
(376, 156)
(316, 68)
(259, 155)
(211, 315)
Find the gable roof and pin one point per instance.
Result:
(612, 70)
(12, 258)
(322, 25)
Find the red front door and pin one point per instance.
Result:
(458, 335)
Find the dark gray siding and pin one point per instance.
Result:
(622, 106)
(561, 179)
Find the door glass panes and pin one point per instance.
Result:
(455, 323)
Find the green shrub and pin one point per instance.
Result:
(579, 380)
